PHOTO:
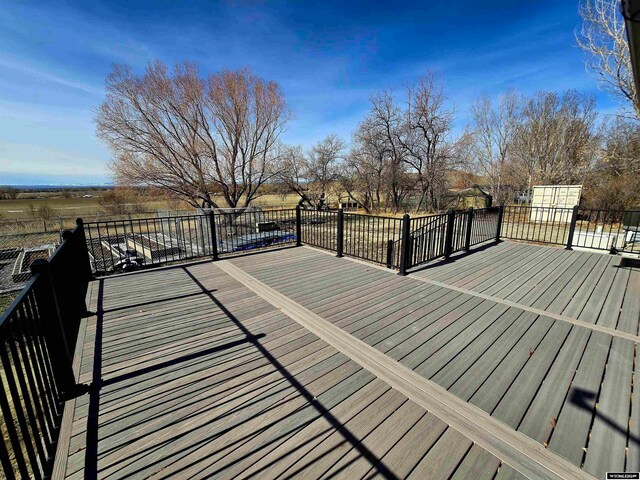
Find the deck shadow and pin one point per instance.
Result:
(91, 450)
(439, 262)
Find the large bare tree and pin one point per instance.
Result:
(364, 174)
(555, 140)
(613, 182)
(603, 38)
(494, 128)
(312, 175)
(430, 151)
(381, 132)
(193, 136)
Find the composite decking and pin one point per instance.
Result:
(218, 369)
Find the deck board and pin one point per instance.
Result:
(514, 364)
(200, 376)
(211, 380)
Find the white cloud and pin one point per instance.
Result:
(25, 68)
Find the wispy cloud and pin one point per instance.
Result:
(329, 58)
(24, 68)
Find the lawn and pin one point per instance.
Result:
(6, 299)
(78, 207)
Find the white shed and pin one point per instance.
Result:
(553, 203)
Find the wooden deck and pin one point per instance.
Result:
(296, 364)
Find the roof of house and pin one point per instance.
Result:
(631, 12)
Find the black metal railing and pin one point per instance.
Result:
(373, 238)
(122, 245)
(38, 333)
(609, 230)
(319, 228)
(537, 224)
(427, 239)
(129, 244)
(133, 243)
(484, 224)
(251, 230)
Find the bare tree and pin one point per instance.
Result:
(363, 175)
(493, 131)
(377, 155)
(191, 136)
(555, 141)
(603, 38)
(427, 139)
(379, 136)
(613, 182)
(8, 193)
(314, 174)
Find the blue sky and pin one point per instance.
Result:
(329, 58)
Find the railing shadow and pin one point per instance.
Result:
(439, 262)
(282, 384)
(585, 399)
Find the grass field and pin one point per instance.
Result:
(77, 207)
(6, 299)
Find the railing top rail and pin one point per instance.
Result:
(369, 215)
(538, 206)
(430, 215)
(102, 222)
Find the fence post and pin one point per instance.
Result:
(389, 253)
(405, 254)
(340, 239)
(467, 238)
(298, 226)
(448, 239)
(53, 324)
(84, 249)
(572, 227)
(499, 225)
(214, 239)
(75, 273)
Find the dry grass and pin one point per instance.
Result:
(6, 299)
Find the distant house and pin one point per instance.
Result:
(475, 196)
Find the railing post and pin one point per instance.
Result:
(389, 253)
(214, 239)
(84, 249)
(74, 272)
(499, 225)
(405, 254)
(298, 226)
(340, 239)
(448, 239)
(572, 227)
(467, 238)
(53, 324)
